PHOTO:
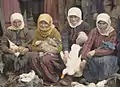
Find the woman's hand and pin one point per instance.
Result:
(37, 42)
(23, 49)
(91, 53)
(65, 56)
(11, 50)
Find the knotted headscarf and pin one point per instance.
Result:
(76, 12)
(106, 18)
(17, 16)
(45, 32)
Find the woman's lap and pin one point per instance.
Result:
(99, 68)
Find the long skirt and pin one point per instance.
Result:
(17, 65)
(100, 68)
(48, 67)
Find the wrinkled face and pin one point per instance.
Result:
(43, 24)
(17, 23)
(74, 19)
(102, 25)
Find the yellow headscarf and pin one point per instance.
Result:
(45, 32)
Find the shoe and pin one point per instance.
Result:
(63, 83)
(83, 81)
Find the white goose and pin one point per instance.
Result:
(73, 62)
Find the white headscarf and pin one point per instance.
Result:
(106, 18)
(77, 12)
(15, 16)
(82, 38)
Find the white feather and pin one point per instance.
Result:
(73, 62)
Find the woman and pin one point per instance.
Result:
(114, 11)
(17, 32)
(48, 65)
(98, 51)
(19, 41)
(72, 31)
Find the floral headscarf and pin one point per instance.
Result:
(77, 12)
(106, 18)
(47, 18)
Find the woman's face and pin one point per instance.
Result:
(17, 23)
(74, 19)
(102, 25)
(43, 24)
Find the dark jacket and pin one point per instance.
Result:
(69, 35)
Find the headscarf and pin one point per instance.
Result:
(77, 12)
(106, 18)
(15, 16)
(47, 18)
(82, 38)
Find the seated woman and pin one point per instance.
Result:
(17, 33)
(75, 32)
(19, 40)
(47, 42)
(98, 51)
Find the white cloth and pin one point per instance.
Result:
(15, 16)
(77, 12)
(13, 46)
(27, 77)
(106, 18)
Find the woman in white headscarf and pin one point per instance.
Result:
(16, 32)
(19, 45)
(75, 28)
(99, 49)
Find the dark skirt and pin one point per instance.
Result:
(17, 65)
(100, 68)
(48, 67)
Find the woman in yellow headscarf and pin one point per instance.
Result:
(45, 29)
(49, 65)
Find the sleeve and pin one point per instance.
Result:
(65, 39)
(3, 45)
(102, 52)
(29, 35)
(57, 35)
(8, 34)
(88, 44)
(34, 47)
(87, 28)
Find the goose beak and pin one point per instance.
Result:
(62, 76)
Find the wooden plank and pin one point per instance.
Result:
(1, 16)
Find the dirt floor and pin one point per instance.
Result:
(3, 80)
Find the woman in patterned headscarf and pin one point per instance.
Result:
(49, 64)
(98, 51)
